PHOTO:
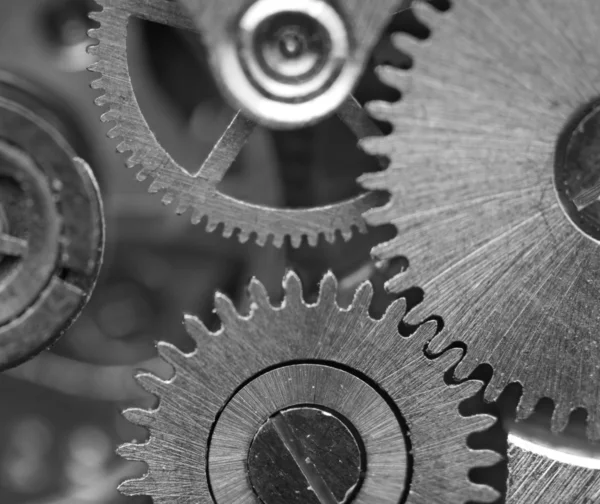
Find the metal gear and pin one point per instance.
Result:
(246, 398)
(542, 474)
(199, 191)
(51, 225)
(494, 182)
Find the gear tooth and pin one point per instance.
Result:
(313, 240)
(167, 198)
(182, 205)
(527, 404)
(258, 293)
(347, 234)
(381, 215)
(425, 332)
(406, 43)
(261, 239)
(483, 493)
(328, 289)
(225, 308)
(495, 386)
(151, 383)
(211, 225)
(196, 329)
(393, 77)
(376, 147)
(483, 422)
(296, 240)
(426, 14)
(243, 236)
(363, 297)
(380, 110)
(329, 237)
(133, 451)
(135, 487)
(277, 240)
(465, 367)
(488, 458)
(157, 185)
(293, 287)
(449, 358)
(141, 417)
(395, 311)
(362, 227)
(560, 417)
(172, 355)
(228, 230)
(142, 175)
(98, 17)
(197, 215)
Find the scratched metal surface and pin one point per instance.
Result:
(535, 478)
(471, 177)
(268, 337)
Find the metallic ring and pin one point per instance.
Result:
(308, 384)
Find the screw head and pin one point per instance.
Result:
(306, 455)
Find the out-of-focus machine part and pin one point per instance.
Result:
(51, 225)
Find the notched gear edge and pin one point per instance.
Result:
(400, 79)
(330, 332)
(343, 218)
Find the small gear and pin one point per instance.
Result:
(199, 191)
(268, 407)
(494, 181)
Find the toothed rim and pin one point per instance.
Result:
(564, 370)
(268, 337)
(200, 195)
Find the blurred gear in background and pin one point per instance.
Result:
(51, 225)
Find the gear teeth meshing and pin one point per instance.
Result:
(321, 331)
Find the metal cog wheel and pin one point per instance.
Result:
(494, 182)
(199, 190)
(217, 417)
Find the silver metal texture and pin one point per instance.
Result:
(51, 227)
(231, 32)
(540, 472)
(248, 349)
(199, 190)
(474, 193)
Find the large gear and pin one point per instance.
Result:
(199, 190)
(307, 356)
(494, 188)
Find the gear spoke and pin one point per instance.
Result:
(227, 149)
(13, 247)
(356, 118)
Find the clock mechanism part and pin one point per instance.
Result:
(494, 183)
